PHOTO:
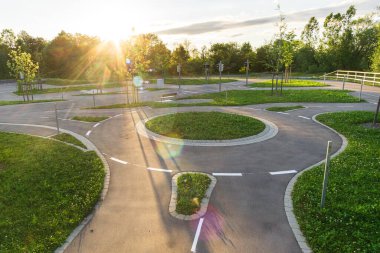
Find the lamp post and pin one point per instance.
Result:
(179, 68)
(246, 72)
(128, 62)
(207, 67)
(220, 68)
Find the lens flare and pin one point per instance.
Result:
(167, 151)
(137, 81)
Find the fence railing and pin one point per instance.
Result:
(369, 78)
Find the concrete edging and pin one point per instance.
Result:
(288, 203)
(269, 132)
(90, 146)
(204, 204)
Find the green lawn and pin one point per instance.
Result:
(28, 102)
(63, 82)
(73, 88)
(205, 126)
(47, 188)
(90, 118)
(350, 221)
(293, 83)
(191, 190)
(250, 97)
(197, 81)
(284, 108)
(69, 139)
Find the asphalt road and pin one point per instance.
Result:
(245, 214)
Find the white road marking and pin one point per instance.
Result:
(283, 113)
(256, 109)
(44, 117)
(97, 124)
(228, 174)
(160, 170)
(117, 115)
(283, 172)
(343, 106)
(304, 117)
(88, 133)
(373, 103)
(118, 160)
(197, 233)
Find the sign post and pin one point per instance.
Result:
(179, 68)
(326, 175)
(246, 72)
(207, 67)
(376, 114)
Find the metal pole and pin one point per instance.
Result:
(93, 97)
(220, 81)
(326, 175)
(324, 78)
(272, 83)
(376, 114)
(344, 81)
(246, 73)
(282, 80)
(56, 116)
(61, 93)
(361, 90)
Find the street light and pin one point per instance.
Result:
(220, 68)
(206, 66)
(179, 68)
(128, 62)
(246, 72)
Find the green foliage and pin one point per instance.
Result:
(205, 126)
(90, 118)
(47, 188)
(284, 108)
(69, 139)
(21, 62)
(191, 190)
(350, 220)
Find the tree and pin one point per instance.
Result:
(375, 66)
(21, 64)
(310, 33)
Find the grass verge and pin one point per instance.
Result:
(197, 81)
(69, 139)
(73, 88)
(205, 126)
(293, 83)
(191, 189)
(250, 97)
(350, 220)
(62, 82)
(28, 102)
(47, 188)
(90, 118)
(284, 108)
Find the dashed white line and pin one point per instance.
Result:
(88, 133)
(160, 170)
(117, 115)
(304, 117)
(118, 160)
(283, 172)
(283, 113)
(197, 233)
(345, 106)
(228, 174)
(97, 124)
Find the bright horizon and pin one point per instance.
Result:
(200, 22)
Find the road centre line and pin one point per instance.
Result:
(118, 160)
(304, 117)
(88, 133)
(197, 233)
(283, 172)
(228, 174)
(283, 113)
(159, 170)
(97, 124)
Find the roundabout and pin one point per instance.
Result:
(206, 129)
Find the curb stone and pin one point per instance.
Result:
(288, 203)
(204, 204)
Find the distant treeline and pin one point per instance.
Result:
(341, 42)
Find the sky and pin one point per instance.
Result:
(200, 21)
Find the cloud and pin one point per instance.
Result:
(215, 26)
(236, 35)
